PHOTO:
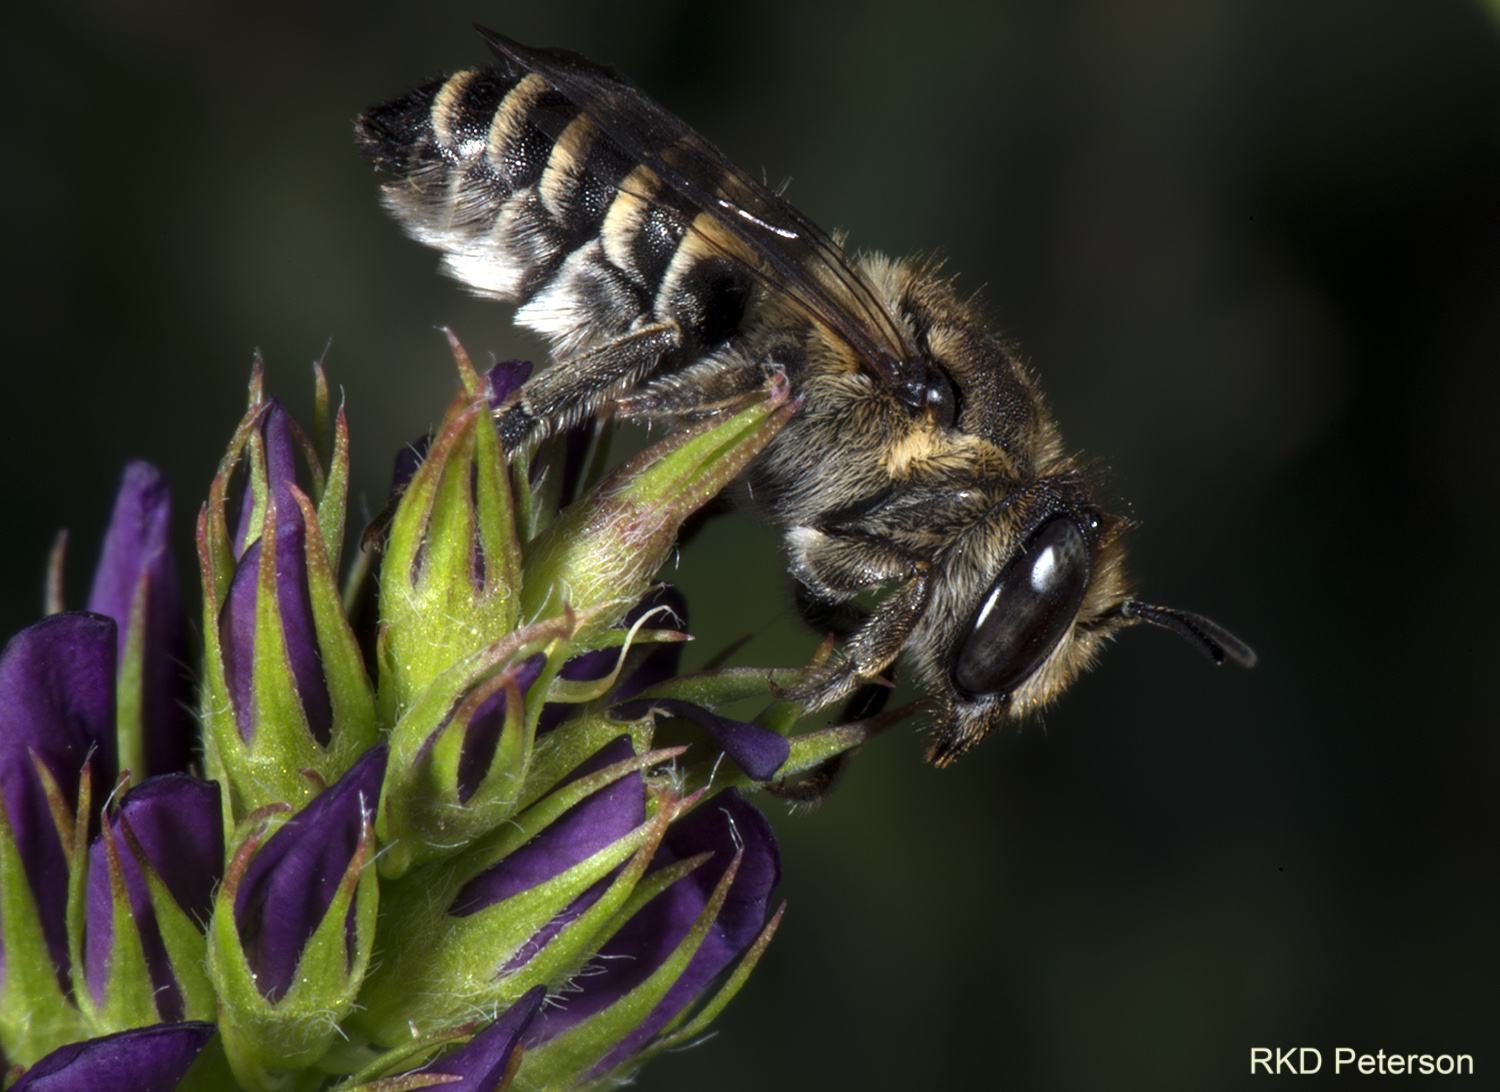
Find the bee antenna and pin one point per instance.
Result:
(1217, 643)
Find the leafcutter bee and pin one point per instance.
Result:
(669, 283)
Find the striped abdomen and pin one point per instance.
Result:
(531, 202)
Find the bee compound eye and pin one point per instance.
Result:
(1028, 609)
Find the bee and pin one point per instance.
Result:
(922, 463)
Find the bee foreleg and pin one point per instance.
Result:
(870, 651)
(571, 390)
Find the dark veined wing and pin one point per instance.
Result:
(791, 254)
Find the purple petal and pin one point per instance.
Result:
(595, 822)
(481, 1062)
(721, 827)
(759, 751)
(290, 884)
(149, 1059)
(57, 699)
(177, 822)
(237, 627)
(483, 734)
(136, 550)
(505, 378)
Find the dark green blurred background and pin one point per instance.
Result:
(1253, 248)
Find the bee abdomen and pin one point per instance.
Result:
(531, 202)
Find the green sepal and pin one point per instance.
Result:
(75, 840)
(582, 1046)
(215, 545)
(129, 682)
(529, 505)
(36, 1016)
(353, 729)
(405, 1082)
(609, 545)
(214, 707)
(322, 437)
(468, 375)
(445, 967)
(537, 478)
(334, 502)
(724, 687)
(216, 565)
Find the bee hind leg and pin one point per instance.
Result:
(574, 389)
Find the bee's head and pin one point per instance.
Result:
(1022, 606)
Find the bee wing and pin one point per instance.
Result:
(760, 230)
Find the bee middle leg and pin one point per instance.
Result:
(700, 390)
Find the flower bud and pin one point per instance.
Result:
(57, 752)
(452, 554)
(152, 874)
(292, 929)
(285, 686)
(702, 905)
(462, 760)
(459, 755)
(135, 583)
